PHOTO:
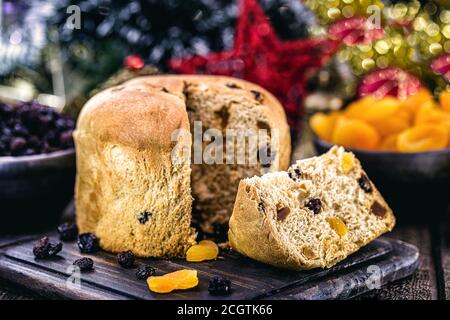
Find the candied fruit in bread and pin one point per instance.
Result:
(355, 133)
(348, 160)
(421, 138)
(337, 225)
(178, 280)
(323, 124)
(205, 250)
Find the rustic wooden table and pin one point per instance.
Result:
(430, 282)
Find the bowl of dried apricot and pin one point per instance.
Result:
(404, 145)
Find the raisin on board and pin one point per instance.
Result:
(219, 286)
(68, 231)
(88, 243)
(44, 249)
(144, 272)
(85, 264)
(126, 259)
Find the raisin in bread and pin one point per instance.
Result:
(130, 193)
(314, 215)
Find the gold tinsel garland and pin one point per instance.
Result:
(415, 34)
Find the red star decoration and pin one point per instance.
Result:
(259, 56)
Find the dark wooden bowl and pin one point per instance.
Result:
(416, 185)
(35, 189)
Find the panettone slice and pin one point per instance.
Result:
(314, 215)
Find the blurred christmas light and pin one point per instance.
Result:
(414, 35)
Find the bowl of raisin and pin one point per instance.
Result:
(37, 165)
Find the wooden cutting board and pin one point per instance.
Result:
(390, 259)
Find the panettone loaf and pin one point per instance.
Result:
(128, 190)
(314, 215)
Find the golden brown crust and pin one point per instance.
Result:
(138, 117)
(252, 233)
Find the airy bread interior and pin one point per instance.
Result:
(214, 186)
(303, 230)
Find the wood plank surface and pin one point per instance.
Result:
(250, 279)
(444, 231)
(400, 263)
(422, 284)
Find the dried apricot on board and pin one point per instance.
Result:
(337, 225)
(423, 138)
(355, 133)
(178, 280)
(323, 124)
(205, 250)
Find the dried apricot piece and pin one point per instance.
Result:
(389, 143)
(355, 133)
(357, 108)
(323, 124)
(414, 102)
(374, 110)
(429, 112)
(348, 160)
(178, 280)
(395, 123)
(444, 99)
(205, 250)
(446, 125)
(337, 225)
(423, 138)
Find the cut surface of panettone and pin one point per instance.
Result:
(313, 215)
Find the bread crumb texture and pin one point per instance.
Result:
(329, 214)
